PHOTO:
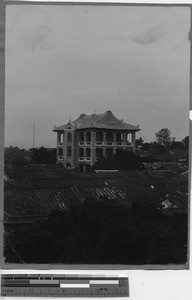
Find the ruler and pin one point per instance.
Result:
(63, 285)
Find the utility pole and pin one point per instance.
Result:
(33, 135)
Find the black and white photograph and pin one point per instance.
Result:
(96, 149)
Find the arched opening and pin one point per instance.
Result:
(109, 152)
(109, 137)
(69, 151)
(88, 152)
(88, 136)
(60, 138)
(119, 137)
(69, 137)
(81, 152)
(129, 138)
(99, 136)
(60, 152)
(99, 152)
(81, 136)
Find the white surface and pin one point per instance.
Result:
(76, 285)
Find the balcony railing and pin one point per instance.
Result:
(119, 143)
(84, 158)
(129, 144)
(99, 143)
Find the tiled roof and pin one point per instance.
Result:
(31, 193)
(172, 166)
(101, 121)
(39, 202)
(12, 153)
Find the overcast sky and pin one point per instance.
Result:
(62, 61)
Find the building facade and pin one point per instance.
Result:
(84, 140)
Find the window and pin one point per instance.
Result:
(81, 152)
(69, 151)
(99, 152)
(119, 137)
(60, 138)
(60, 152)
(99, 136)
(109, 137)
(81, 137)
(88, 136)
(129, 138)
(69, 137)
(109, 152)
(88, 152)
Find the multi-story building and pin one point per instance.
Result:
(89, 137)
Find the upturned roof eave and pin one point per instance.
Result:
(97, 127)
(106, 128)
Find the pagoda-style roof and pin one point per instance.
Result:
(106, 120)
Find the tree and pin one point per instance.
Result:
(123, 160)
(157, 148)
(139, 142)
(185, 141)
(163, 137)
(44, 156)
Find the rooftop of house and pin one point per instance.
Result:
(11, 153)
(40, 190)
(107, 120)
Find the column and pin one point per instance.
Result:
(124, 138)
(93, 149)
(84, 137)
(133, 139)
(58, 133)
(73, 150)
(124, 141)
(104, 142)
(104, 137)
(114, 140)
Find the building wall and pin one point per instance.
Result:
(71, 141)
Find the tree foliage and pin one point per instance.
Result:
(139, 142)
(44, 156)
(163, 137)
(123, 160)
(185, 141)
(103, 232)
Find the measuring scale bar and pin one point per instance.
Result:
(66, 286)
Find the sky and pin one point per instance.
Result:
(64, 60)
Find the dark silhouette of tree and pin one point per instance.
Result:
(163, 137)
(176, 145)
(139, 142)
(185, 141)
(157, 148)
(102, 232)
(123, 160)
(146, 146)
(44, 156)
